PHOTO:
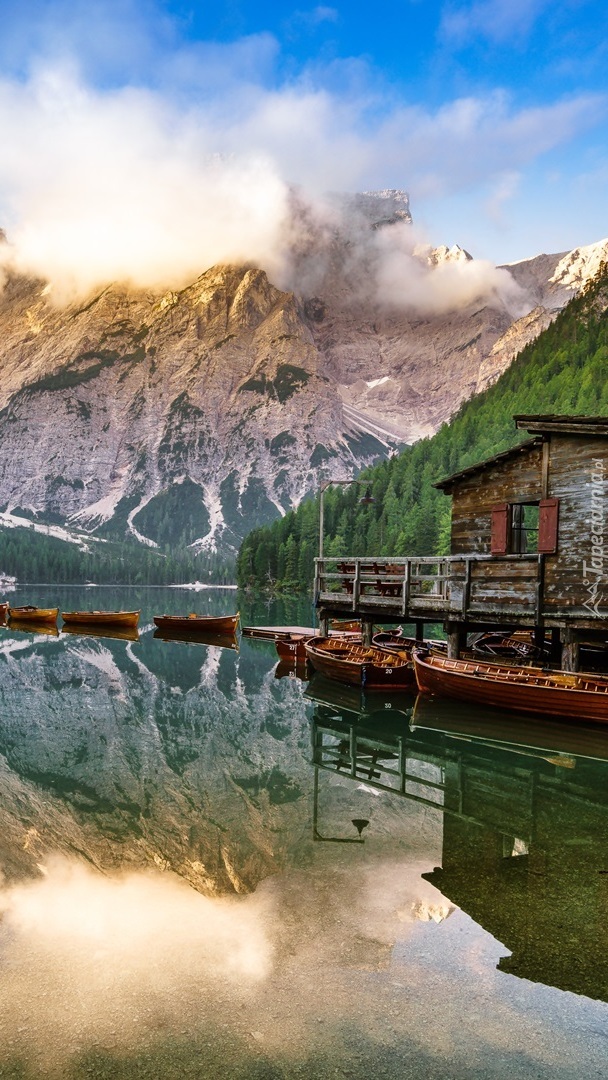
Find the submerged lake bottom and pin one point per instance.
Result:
(213, 868)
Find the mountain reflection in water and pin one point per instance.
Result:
(209, 871)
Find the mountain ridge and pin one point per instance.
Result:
(189, 417)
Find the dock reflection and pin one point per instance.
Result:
(525, 823)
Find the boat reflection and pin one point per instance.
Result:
(525, 825)
(220, 641)
(289, 669)
(467, 721)
(29, 626)
(355, 700)
(124, 633)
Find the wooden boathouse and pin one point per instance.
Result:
(529, 549)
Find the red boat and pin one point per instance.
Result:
(291, 647)
(359, 665)
(572, 695)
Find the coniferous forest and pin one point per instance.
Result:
(31, 556)
(562, 371)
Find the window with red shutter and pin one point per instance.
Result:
(547, 526)
(500, 529)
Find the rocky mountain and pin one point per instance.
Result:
(189, 417)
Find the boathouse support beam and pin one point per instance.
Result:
(457, 639)
(366, 631)
(571, 650)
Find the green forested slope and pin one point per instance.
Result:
(34, 557)
(564, 371)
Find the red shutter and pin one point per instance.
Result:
(500, 529)
(547, 526)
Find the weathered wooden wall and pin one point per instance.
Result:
(474, 496)
(571, 467)
(572, 463)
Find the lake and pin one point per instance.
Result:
(210, 871)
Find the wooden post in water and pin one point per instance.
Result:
(366, 631)
(457, 637)
(419, 630)
(571, 651)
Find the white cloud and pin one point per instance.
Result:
(154, 185)
(499, 21)
(95, 187)
(503, 191)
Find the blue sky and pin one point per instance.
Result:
(493, 114)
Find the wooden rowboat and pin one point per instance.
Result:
(359, 665)
(579, 696)
(3, 611)
(33, 614)
(195, 624)
(100, 618)
(293, 646)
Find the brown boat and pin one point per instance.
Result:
(196, 624)
(3, 611)
(360, 665)
(516, 646)
(579, 696)
(29, 613)
(101, 618)
(293, 646)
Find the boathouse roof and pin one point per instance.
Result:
(538, 426)
(496, 459)
(562, 425)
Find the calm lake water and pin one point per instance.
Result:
(211, 871)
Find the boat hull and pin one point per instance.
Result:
(527, 690)
(33, 614)
(197, 624)
(100, 618)
(358, 665)
(292, 648)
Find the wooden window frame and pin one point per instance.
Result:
(505, 536)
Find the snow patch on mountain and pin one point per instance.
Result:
(131, 527)
(579, 265)
(9, 520)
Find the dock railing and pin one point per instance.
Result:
(451, 585)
